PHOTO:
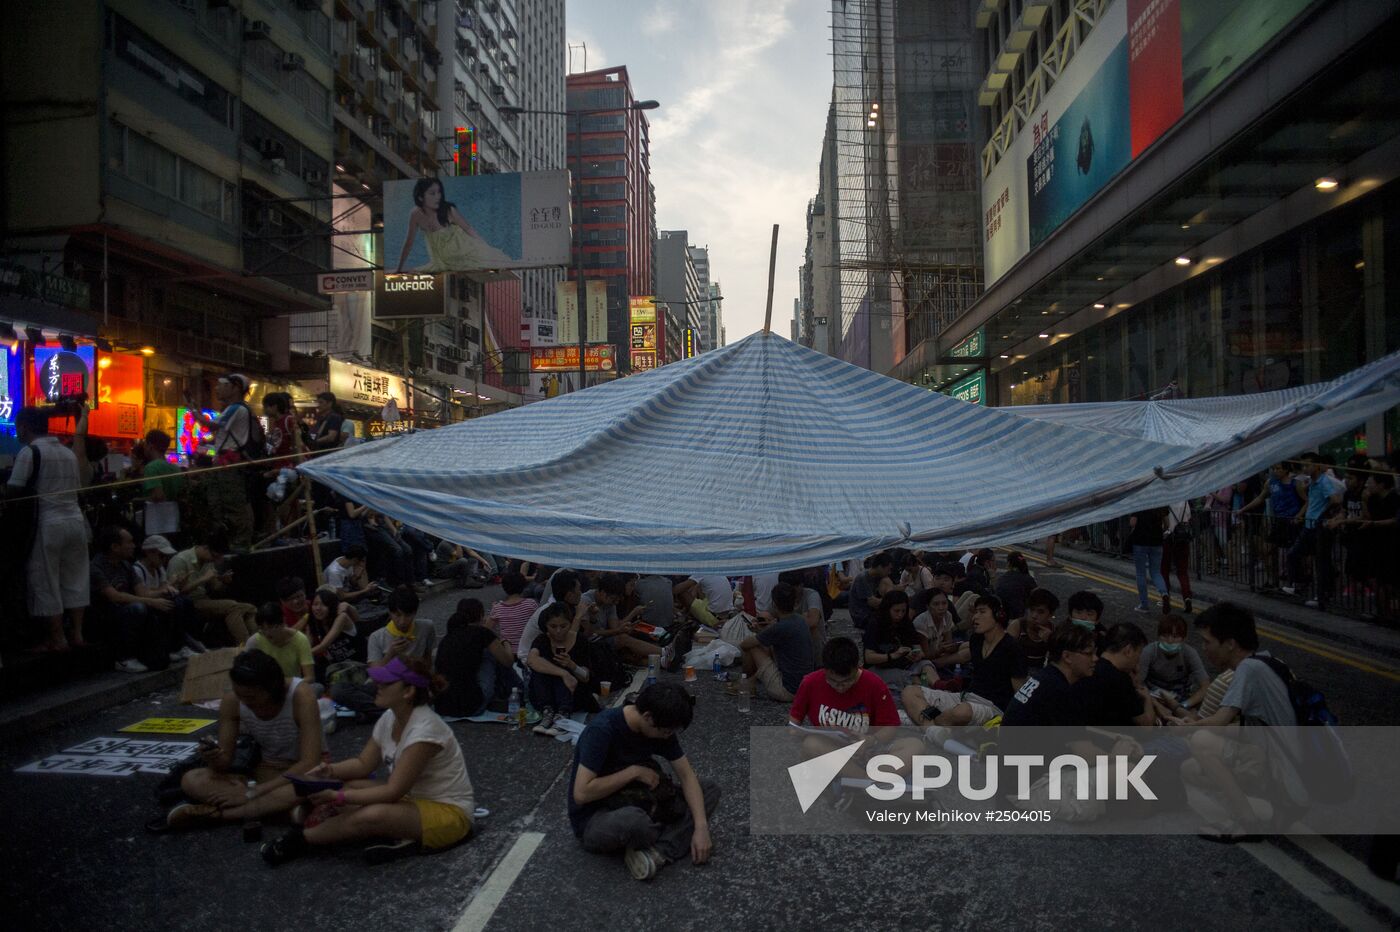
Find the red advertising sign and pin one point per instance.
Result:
(600, 358)
(1154, 69)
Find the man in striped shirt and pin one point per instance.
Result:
(513, 612)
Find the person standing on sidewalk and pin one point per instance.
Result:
(1176, 552)
(1325, 493)
(234, 435)
(1145, 536)
(57, 569)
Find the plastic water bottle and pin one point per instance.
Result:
(718, 668)
(744, 705)
(252, 828)
(515, 710)
(651, 670)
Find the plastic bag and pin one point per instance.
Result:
(703, 657)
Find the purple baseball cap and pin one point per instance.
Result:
(396, 671)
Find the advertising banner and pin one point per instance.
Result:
(566, 313)
(644, 336)
(475, 223)
(972, 389)
(1143, 67)
(687, 342)
(121, 397)
(411, 296)
(334, 282)
(601, 358)
(642, 360)
(973, 347)
(597, 296)
(11, 387)
(642, 309)
(362, 385)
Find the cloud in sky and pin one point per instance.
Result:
(744, 89)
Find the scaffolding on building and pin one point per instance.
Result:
(907, 198)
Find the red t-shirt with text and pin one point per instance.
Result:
(866, 703)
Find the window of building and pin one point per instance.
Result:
(134, 47)
(148, 163)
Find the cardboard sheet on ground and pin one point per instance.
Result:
(113, 757)
(168, 726)
(206, 676)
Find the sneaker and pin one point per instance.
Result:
(191, 815)
(131, 665)
(546, 725)
(1141, 609)
(935, 735)
(427, 583)
(1311, 603)
(187, 652)
(174, 656)
(194, 646)
(643, 863)
(1288, 590)
(668, 657)
(289, 846)
(386, 851)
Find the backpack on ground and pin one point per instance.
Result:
(1322, 762)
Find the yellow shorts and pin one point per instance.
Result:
(443, 823)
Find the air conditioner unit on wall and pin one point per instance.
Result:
(291, 61)
(257, 29)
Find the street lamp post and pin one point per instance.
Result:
(582, 292)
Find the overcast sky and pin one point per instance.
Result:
(744, 87)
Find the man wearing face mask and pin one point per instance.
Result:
(1169, 665)
(1086, 611)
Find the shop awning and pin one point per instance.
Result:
(765, 455)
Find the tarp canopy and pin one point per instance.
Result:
(765, 455)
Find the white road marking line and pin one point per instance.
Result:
(1348, 913)
(483, 906)
(1355, 873)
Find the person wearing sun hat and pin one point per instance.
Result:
(427, 798)
(153, 581)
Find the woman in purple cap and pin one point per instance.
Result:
(427, 798)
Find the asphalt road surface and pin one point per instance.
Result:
(77, 856)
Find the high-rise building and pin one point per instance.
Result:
(678, 289)
(822, 253)
(542, 142)
(700, 255)
(902, 203)
(1188, 198)
(714, 313)
(616, 233)
(167, 177)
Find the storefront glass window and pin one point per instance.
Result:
(1284, 346)
(1340, 306)
(1113, 360)
(1167, 364)
(1237, 320)
(1140, 383)
(1200, 340)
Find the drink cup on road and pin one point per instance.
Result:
(605, 688)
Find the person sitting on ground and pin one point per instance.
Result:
(869, 588)
(1110, 697)
(348, 574)
(331, 629)
(1052, 695)
(463, 565)
(615, 781)
(1257, 695)
(779, 655)
(1169, 664)
(291, 595)
(153, 580)
(846, 701)
(291, 649)
(998, 670)
(477, 662)
(935, 629)
(561, 681)
(1086, 610)
(917, 575)
(148, 634)
(709, 599)
(564, 588)
(426, 798)
(401, 637)
(893, 651)
(201, 574)
(1015, 585)
(981, 572)
(511, 614)
(280, 715)
(603, 626)
(656, 595)
(1033, 630)
(945, 576)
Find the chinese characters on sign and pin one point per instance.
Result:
(643, 360)
(565, 358)
(366, 386)
(972, 389)
(973, 346)
(644, 336)
(59, 373)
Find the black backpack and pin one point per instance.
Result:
(1322, 761)
(255, 446)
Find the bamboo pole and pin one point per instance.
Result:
(772, 270)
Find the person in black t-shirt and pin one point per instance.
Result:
(615, 798)
(560, 677)
(329, 429)
(476, 661)
(1052, 696)
(1110, 697)
(998, 670)
(1034, 629)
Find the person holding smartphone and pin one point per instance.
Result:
(561, 682)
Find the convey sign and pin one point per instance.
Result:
(335, 282)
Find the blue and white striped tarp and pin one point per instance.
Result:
(765, 455)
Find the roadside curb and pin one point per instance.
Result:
(1341, 629)
(77, 700)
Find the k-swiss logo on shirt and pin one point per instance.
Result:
(856, 719)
